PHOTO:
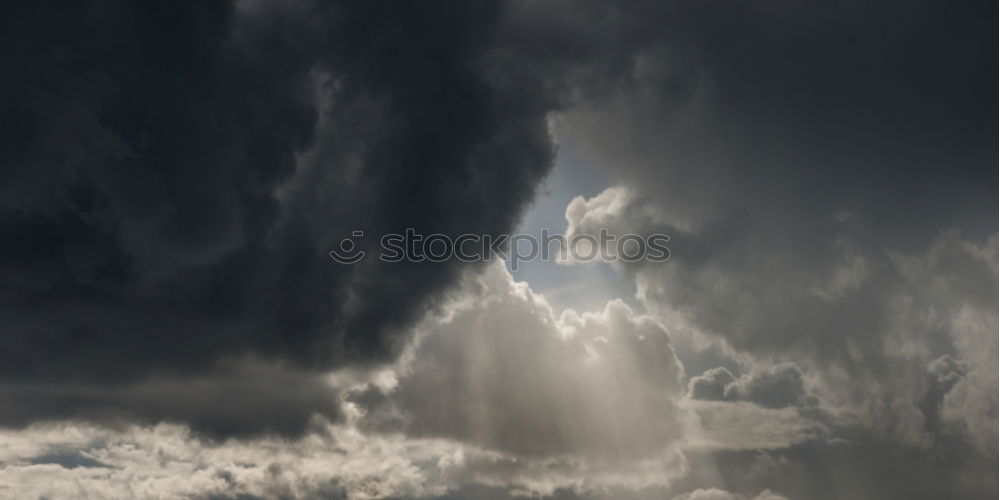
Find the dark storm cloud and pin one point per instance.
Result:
(243, 402)
(174, 175)
(833, 106)
(147, 221)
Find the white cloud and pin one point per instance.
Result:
(717, 494)
(503, 372)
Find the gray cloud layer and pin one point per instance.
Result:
(828, 182)
(174, 174)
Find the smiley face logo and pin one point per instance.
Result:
(348, 253)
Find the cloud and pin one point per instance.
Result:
(717, 494)
(816, 214)
(865, 342)
(711, 385)
(175, 176)
(246, 401)
(744, 426)
(708, 494)
(776, 386)
(501, 371)
(165, 461)
(585, 405)
(804, 114)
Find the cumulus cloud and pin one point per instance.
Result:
(501, 370)
(711, 385)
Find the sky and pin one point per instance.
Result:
(174, 176)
